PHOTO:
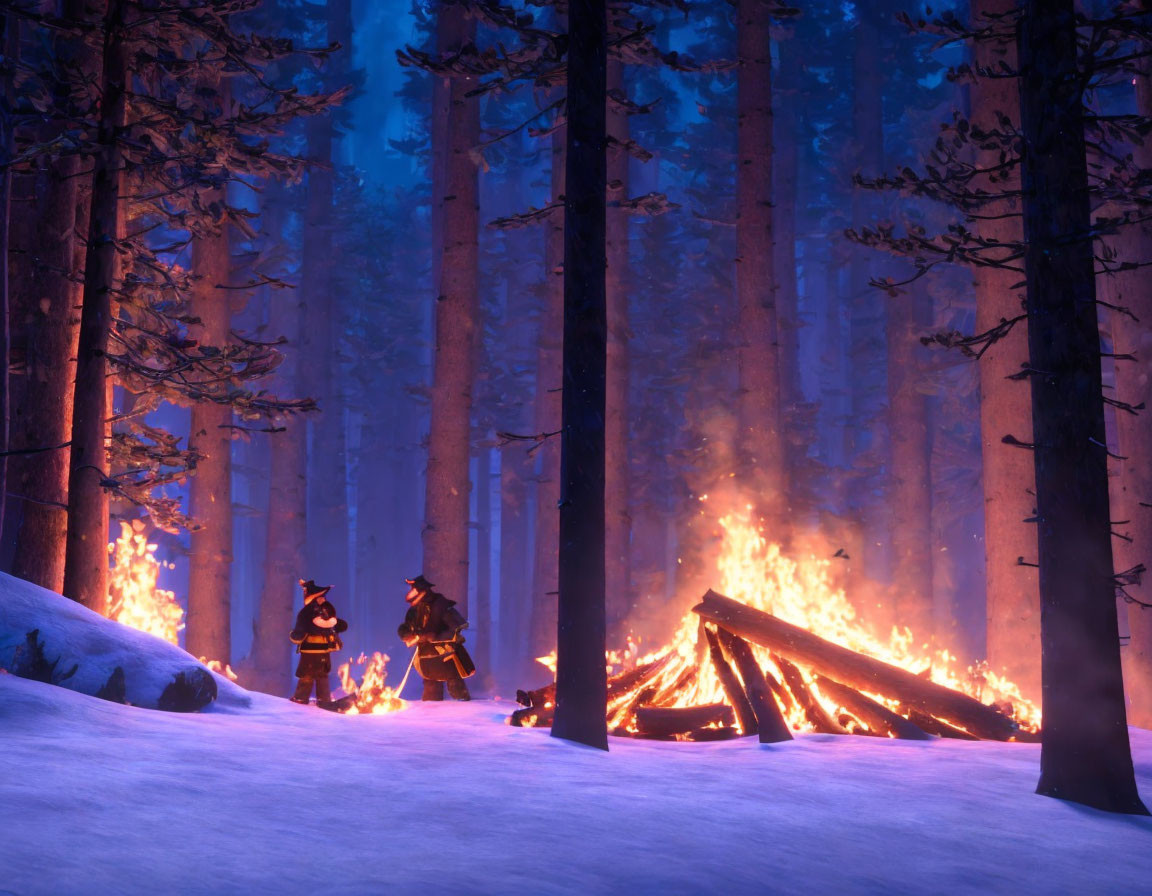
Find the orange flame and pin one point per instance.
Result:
(756, 572)
(373, 697)
(133, 597)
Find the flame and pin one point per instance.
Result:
(755, 571)
(133, 597)
(372, 696)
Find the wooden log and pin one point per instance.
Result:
(732, 689)
(713, 734)
(875, 715)
(661, 720)
(780, 691)
(618, 685)
(855, 669)
(770, 722)
(532, 717)
(814, 712)
(933, 725)
(621, 717)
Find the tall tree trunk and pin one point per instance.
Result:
(446, 500)
(1013, 595)
(328, 552)
(86, 559)
(1085, 756)
(516, 603)
(481, 620)
(11, 44)
(1133, 485)
(617, 487)
(208, 631)
(910, 480)
(785, 171)
(547, 409)
(866, 383)
(581, 678)
(760, 446)
(267, 667)
(41, 480)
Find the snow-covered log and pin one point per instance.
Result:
(50, 638)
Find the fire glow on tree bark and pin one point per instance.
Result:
(1133, 485)
(1085, 755)
(208, 630)
(758, 399)
(1013, 598)
(581, 677)
(86, 562)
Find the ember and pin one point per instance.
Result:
(373, 697)
(755, 656)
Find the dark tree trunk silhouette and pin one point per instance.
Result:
(581, 678)
(1085, 756)
(86, 562)
(446, 502)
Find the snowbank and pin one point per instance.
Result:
(72, 635)
(286, 799)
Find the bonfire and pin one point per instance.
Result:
(747, 659)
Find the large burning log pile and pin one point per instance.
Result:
(791, 679)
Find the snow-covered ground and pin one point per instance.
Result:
(100, 798)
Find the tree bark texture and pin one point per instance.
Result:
(760, 445)
(51, 327)
(1133, 486)
(1013, 595)
(86, 559)
(1085, 756)
(581, 678)
(550, 331)
(446, 502)
(208, 629)
(617, 485)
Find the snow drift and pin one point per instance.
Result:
(46, 636)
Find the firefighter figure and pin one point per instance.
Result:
(316, 636)
(433, 625)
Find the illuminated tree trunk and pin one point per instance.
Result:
(1013, 596)
(1133, 485)
(208, 631)
(41, 479)
(86, 559)
(446, 500)
(758, 399)
(548, 411)
(581, 678)
(617, 485)
(1085, 756)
